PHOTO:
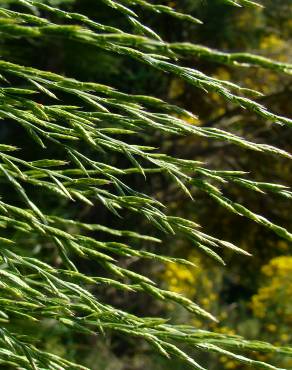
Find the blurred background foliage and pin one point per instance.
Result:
(250, 296)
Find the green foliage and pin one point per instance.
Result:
(86, 125)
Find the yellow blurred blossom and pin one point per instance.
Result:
(176, 88)
(271, 42)
(273, 300)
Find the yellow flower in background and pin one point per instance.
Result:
(223, 74)
(176, 88)
(273, 300)
(198, 283)
(181, 278)
(271, 42)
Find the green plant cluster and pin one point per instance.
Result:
(86, 124)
